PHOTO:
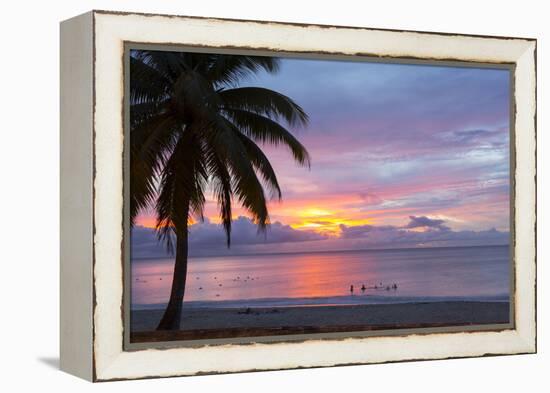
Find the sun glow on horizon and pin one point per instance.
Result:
(326, 222)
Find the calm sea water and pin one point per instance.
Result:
(435, 274)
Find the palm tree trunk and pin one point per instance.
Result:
(172, 315)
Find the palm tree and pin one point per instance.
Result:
(194, 129)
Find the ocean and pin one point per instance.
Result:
(325, 278)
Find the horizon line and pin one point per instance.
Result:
(328, 251)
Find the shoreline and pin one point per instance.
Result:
(320, 301)
(206, 323)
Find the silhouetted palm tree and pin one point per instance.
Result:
(192, 126)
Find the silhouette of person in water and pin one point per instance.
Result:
(363, 288)
(351, 289)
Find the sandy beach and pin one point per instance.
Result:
(227, 322)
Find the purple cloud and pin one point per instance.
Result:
(363, 230)
(387, 236)
(426, 222)
(244, 231)
(207, 238)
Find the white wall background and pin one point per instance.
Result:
(29, 183)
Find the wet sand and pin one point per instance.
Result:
(200, 323)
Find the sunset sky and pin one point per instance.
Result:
(401, 155)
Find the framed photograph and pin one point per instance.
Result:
(245, 195)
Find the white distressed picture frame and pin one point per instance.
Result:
(92, 141)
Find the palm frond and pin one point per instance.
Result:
(168, 64)
(151, 142)
(265, 130)
(261, 163)
(181, 188)
(139, 113)
(264, 102)
(222, 189)
(230, 69)
(142, 187)
(245, 184)
(148, 84)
